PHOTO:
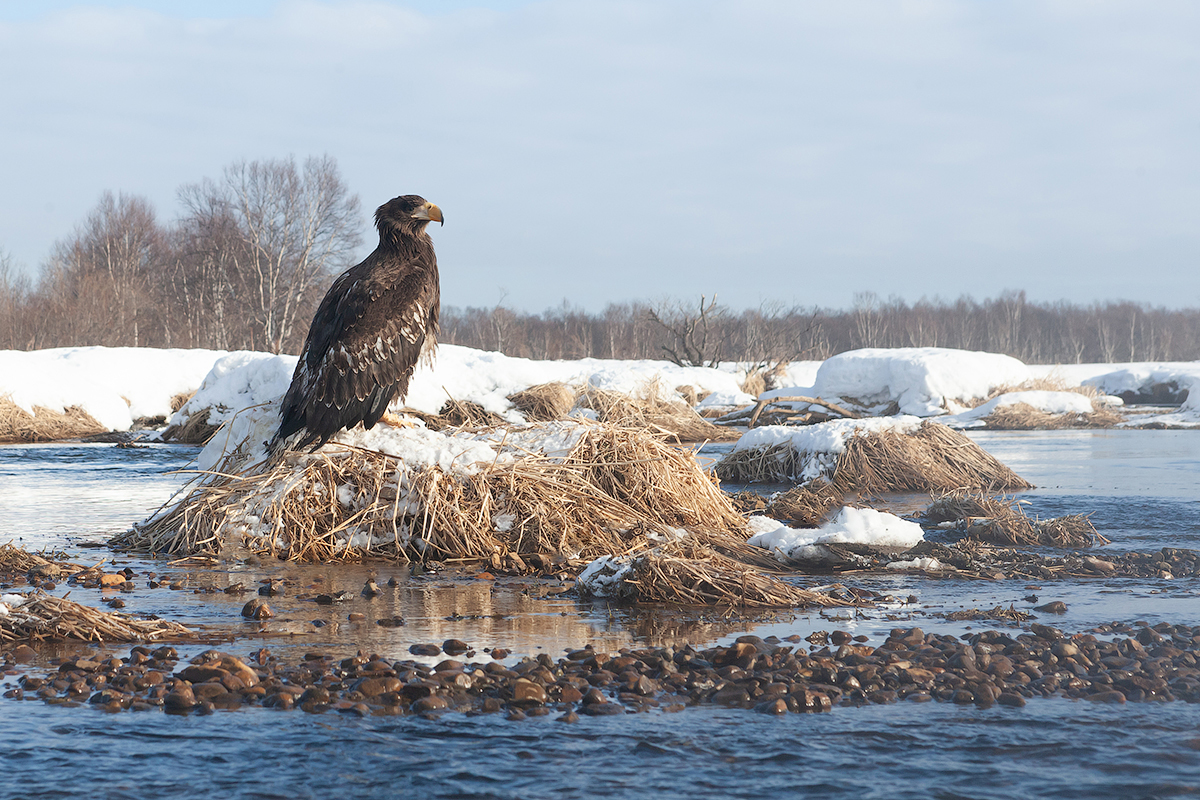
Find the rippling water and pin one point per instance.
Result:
(1141, 487)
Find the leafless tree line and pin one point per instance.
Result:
(254, 250)
(708, 333)
(244, 267)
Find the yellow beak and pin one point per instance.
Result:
(430, 212)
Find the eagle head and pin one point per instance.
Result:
(408, 212)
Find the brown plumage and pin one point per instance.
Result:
(378, 319)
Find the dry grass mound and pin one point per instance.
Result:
(46, 618)
(195, 429)
(544, 402)
(674, 419)
(44, 425)
(1024, 417)
(700, 576)
(932, 458)
(806, 506)
(180, 400)
(462, 414)
(615, 490)
(17, 561)
(1002, 521)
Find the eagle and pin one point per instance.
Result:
(376, 322)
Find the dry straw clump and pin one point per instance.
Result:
(1024, 417)
(1002, 521)
(932, 458)
(807, 506)
(613, 489)
(672, 418)
(687, 574)
(194, 429)
(45, 618)
(17, 561)
(44, 424)
(544, 402)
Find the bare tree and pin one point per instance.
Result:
(297, 229)
(97, 281)
(693, 339)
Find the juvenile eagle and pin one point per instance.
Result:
(378, 319)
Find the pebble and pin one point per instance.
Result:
(257, 609)
(1053, 607)
(1115, 664)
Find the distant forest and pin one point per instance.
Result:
(254, 251)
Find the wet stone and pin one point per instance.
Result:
(1054, 607)
(526, 691)
(425, 650)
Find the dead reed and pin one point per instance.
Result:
(544, 402)
(929, 459)
(615, 488)
(45, 618)
(999, 520)
(686, 574)
(1024, 417)
(669, 417)
(44, 424)
(806, 506)
(193, 429)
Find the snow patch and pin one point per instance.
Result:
(116, 385)
(1047, 402)
(922, 381)
(850, 526)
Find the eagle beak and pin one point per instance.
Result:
(430, 212)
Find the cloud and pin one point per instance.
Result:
(606, 152)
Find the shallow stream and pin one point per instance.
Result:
(1140, 486)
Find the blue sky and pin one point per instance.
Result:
(766, 150)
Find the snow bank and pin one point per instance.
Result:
(850, 526)
(116, 385)
(822, 443)
(1047, 402)
(245, 379)
(238, 381)
(489, 378)
(922, 381)
(1139, 378)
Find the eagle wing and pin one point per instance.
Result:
(367, 336)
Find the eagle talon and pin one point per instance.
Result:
(397, 421)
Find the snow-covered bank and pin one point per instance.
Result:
(1043, 401)
(116, 385)
(921, 381)
(241, 380)
(850, 526)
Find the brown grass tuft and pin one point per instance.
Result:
(544, 402)
(686, 574)
(999, 520)
(46, 618)
(611, 494)
(180, 400)
(1024, 417)
(932, 458)
(807, 506)
(674, 419)
(44, 425)
(195, 429)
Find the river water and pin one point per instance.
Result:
(1140, 487)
